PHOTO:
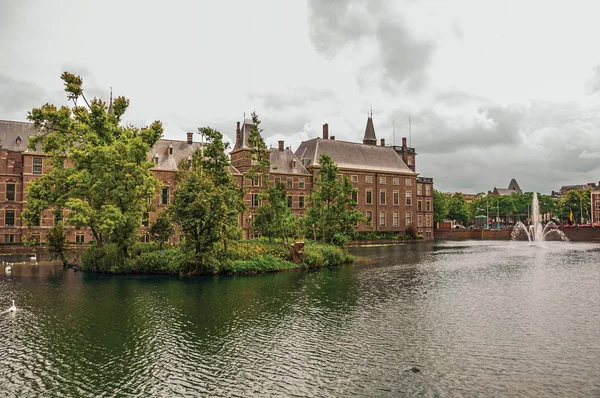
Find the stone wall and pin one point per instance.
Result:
(574, 234)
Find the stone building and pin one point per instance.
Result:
(513, 187)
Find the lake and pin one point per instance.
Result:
(491, 318)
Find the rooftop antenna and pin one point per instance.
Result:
(409, 133)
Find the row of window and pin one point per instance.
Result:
(396, 219)
(10, 238)
(255, 201)
(289, 182)
(395, 199)
(9, 218)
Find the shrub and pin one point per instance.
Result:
(108, 258)
(266, 263)
(320, 256)
(412, 231)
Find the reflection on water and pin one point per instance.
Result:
(477, 318)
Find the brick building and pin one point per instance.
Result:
(390, 193)
(595, 205)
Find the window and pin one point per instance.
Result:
(254, 200)
(57, 217)
(382, 218)
(597, 205)
(37, 165)
(80, 239)
(289, 183)
(428, 206)
(10, 191)
(427, 190)
(301, 202)
(409, 198)
(428, 233)
(369, 179)
(301, 183)
(369, 216)
(419, 205)
(410, 160)
(290, 200)
(145, 219)
(10, 238)
(408, 218)
(277, 180)
(369, 196)
(382, 196)
(148, 199)
(396, 181)
(382, 180)
(354, 178)
(9, 218)
(36, 222)
(396, 198)
(408, 182)
(164, 196)
(255, 181)
(419, 221)
(395, 219)
(428, 220)
(419, 189)
(355, 196)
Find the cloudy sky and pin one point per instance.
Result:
(494, 89)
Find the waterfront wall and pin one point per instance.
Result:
(574, 234)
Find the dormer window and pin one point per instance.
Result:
(189, 160)
(293, 163)
(18, 140)
(171, 149)
(155, 159)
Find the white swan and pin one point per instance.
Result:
(8, 269)
(13, 308)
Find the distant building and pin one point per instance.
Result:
(469, 197)
(595, 205)
(566, 188)
(513, 187)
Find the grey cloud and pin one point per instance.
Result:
(20, 96)
(295, 99)
(593, 85)
(401, 59)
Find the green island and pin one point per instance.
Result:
(99, 177)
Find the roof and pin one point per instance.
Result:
(284, 162)
(370, 132)
(504, 192)
(351, 155)
(10, 131)
(245, 131)
(168, 161)
(514, 186)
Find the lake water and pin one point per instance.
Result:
(476, 318)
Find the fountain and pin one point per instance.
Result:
(535, 232)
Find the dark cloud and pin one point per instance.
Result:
(20, 96)
(401, 59)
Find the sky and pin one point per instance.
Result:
(494, 89)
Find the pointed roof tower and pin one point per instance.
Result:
(369, 138)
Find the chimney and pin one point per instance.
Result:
(237, 136)
(189, 138)
(332, 138)
(383, 142)
(325, 131)
(403, 142)
(280, 146)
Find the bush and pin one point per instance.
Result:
(169, 261)
(108, 258)
(266, 263)
(321, 256)
(412, 231)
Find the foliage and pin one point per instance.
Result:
(577, 202)
(57, 242)
(411, 231)
(265, 263)
(162, 228)
(440, 206)
(107, 258)
(318, 255)
(98, 167)
(332, 214)
(249, 249)
(274, 218)
(207, 202)
(457, 209)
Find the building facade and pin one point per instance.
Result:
(389, 192)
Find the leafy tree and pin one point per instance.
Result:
(162, 228)
(440, 206)
(57, 242)
(457, 209)
(332, 214)
(259, 154)
(207, 202)
(274, 218)
(577, 202)
(98, 167)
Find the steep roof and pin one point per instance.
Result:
(11, 131)
(351, 155)
(370, 137)
(514, 186)
(284, 162)
(164, 160)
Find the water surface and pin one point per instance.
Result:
(477, 318)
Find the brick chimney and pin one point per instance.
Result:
(238, 144)
(332, 138)
(280, 146)
(403, 142)
(325, 131)
(383, 142)
(190, 136)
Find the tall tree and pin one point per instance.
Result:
(457, 209)
(98, 167)
(207, 202)
(332, 214)
(274, 218)
(162, 228)
(440, 206)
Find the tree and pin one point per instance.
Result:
(98, 167)
(207, 202)
(440, 206)
(332, 214)
(274, 218)
(162, 228)
(577, 202)
(57, 242)
(457, 209)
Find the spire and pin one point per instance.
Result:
(110, 102)
(370, 138)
